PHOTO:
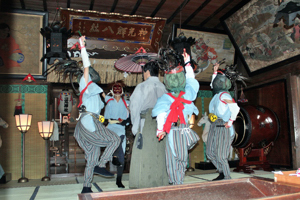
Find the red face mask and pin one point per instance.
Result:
(117, 88)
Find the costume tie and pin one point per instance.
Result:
(176, 111)
(81, 94)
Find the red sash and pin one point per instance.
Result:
(81, 94)
(222, 100)
(176, 111)
(122, 100)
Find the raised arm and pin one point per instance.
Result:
(188, 68)
(216, 67)
(85, 59)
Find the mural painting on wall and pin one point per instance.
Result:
(208, 49)
(21, 45)
(266, 32)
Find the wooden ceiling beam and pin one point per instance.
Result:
(161, 3)
(92, 4)
(218, 26)
(196, 12)
(45, 5)
(215, 13)
(69, 4)
(138, 3)
(177, 11)
(113, 7)
(22, 4)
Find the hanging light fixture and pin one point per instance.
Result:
(23, 123)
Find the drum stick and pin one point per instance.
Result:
(221, 61)
(160, 138)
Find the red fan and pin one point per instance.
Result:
(133, 63)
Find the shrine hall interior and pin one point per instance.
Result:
(260, 39)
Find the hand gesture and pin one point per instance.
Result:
(216, 67)
(186, 56)
(82, 41)
(161, 135)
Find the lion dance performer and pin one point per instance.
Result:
(173, 111)
(221, 133)
(90, 133)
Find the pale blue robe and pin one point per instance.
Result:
(116, 110)
(92, 101)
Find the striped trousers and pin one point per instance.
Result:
(218, 147)
(183, 139)
(91, 143)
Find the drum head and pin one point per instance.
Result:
(257, 125)
(243, 128)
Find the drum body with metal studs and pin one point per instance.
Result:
(255, 124)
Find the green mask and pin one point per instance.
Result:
(175, 82)
(221, 83)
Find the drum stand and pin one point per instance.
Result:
(247, 157)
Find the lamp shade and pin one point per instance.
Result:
(45, 129)
(23, 122)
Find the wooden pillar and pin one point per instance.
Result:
(295, 120)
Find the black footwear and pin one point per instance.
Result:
(103, 172)
(86, 190)
(116, 161)
(119, 182)
(220, 177)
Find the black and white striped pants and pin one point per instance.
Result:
(183, 139)
(218, 147)
(91, 143)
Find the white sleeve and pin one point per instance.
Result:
(189, 72)
(85, 58)
(212, 80)
(234, 109)
(84, 55)
(160, 119)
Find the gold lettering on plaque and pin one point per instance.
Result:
(121, 31)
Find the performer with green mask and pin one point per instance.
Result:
(221, 131)
(173, 111)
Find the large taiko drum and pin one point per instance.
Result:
(255, 124)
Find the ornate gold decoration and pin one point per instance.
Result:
(160, 30)
(248, 149)
(236, 151)
(267, 149)
(113, 14)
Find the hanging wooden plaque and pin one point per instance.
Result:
(114, 31)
